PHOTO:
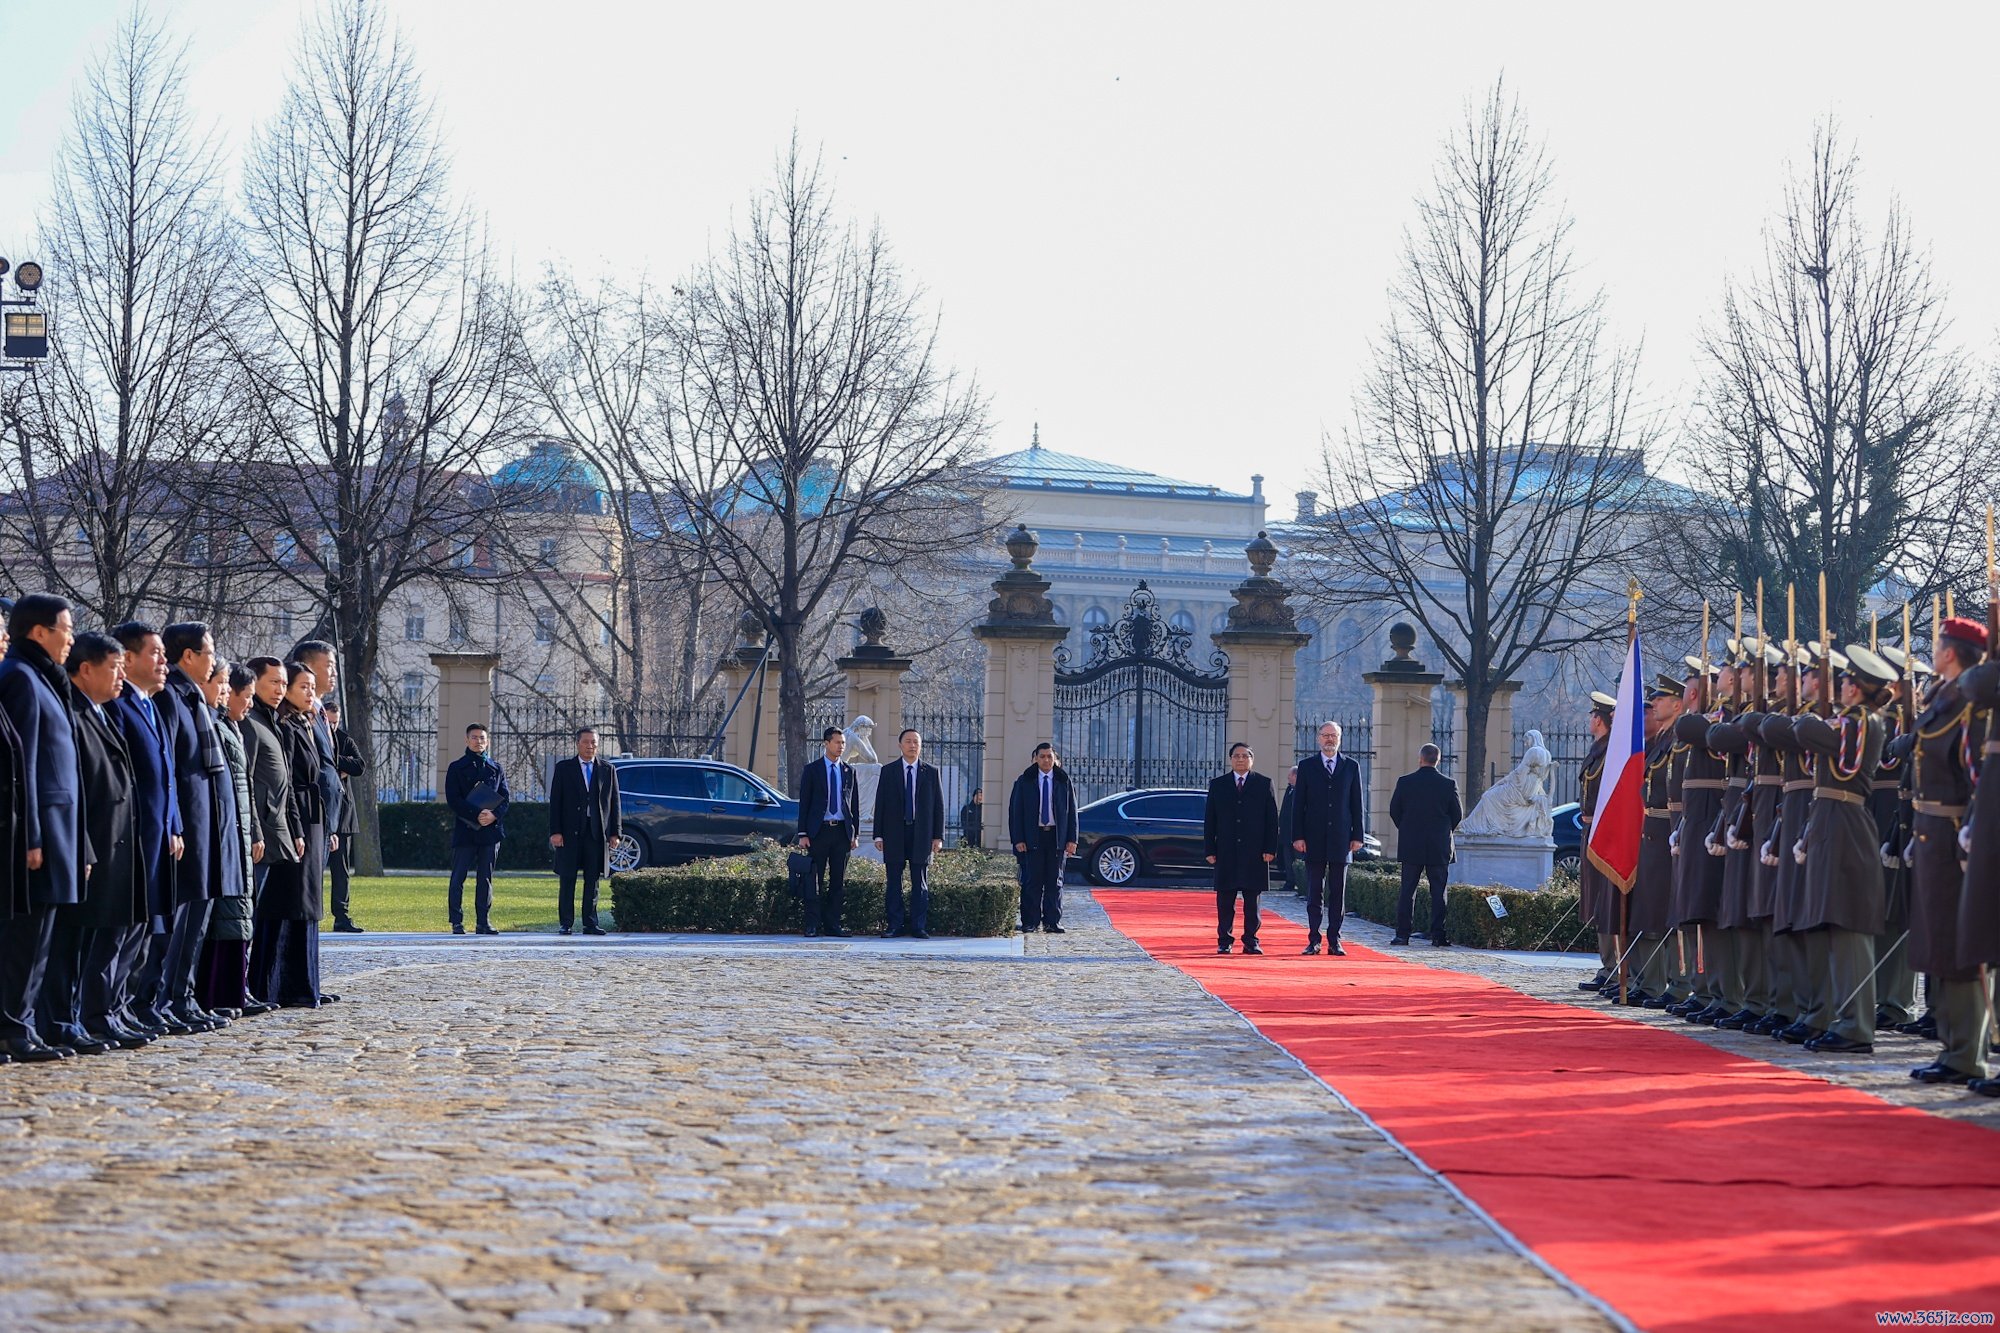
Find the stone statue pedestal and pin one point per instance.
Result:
(1493, 859)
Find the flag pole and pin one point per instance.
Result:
(1632, 596)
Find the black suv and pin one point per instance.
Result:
(678, 810)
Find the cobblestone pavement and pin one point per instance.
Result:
(1073, 1138)
(1885, 1074)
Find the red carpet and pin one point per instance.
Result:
(1685, 1186)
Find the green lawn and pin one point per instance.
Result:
(417, 902)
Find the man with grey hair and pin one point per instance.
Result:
(1327, 826)
(1425, 809)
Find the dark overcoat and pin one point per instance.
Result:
(35, 696)
(470, 774)
(270, 772)
(1704, 785)
(203, 791)
(1596, 896)
(156, 809)
(1327, 814)
(115, 894)
(1843, 879)
(1239, 828)
(1979, 904)
(890, 807)
(292, 889)
(570, 804)
(1652, 889)
(1426, 811)
(13, 822)
(1940, 791)
(1794, 805)
(1024, 813)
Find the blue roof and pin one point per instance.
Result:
(555, 467)
(1036, 468)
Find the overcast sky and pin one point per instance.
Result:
(1162, 231)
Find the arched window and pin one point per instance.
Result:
(1096, 618)
(1182, 621)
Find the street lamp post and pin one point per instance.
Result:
(25, 340)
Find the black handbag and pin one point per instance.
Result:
(799, 869)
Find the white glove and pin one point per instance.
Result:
(1767, 856)
(1965, 839)
(1799, 851)
(1714, 848)
(1738, 845)
(1889, 857)
(1674, 843)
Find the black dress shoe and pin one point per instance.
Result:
(1440, 941)
(1985, 1087)
(1798, 1034)
(347, 928)
(812, 934)
(1594, 983)
(1253, 947)
(563, 930)
(193, 1020)
(1710, 1016)
(1834, 1043)
(1681, 1007)
(1222, 948)
(326, 997)
(593, 930)
(841, 934)
(458, 930)
(1333, 949)
(1312, 947)
(487, 930)
(1770, 1025)
(1656, 1002)
(255, 1007)
(1936, 1072)
(29, 1051)
(79, 1041)
(1054, 930)
(920, 934)
(227, 1013)
(1737, 1021)
(1403, 942)
(298, 1004)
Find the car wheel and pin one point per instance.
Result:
(628, 852)
(1569, 863)
(1115, 863)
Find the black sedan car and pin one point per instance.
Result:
(1569, 836)
(676, 810)
(1154, 830)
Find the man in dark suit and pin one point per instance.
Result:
(583, 823)
(1041, 823)
(909, 830)
(202, 785)
(1327, 827)
(347, 761)
(147, 730)
(316, 655)
(476, 791)
(34, 693)
(1425, 811)
(1240, 838)
(829, 829)
(114, 893)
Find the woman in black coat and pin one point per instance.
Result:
(285, 954)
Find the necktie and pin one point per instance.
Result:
(1239, 782)
(833, 810)
(1048, 805)
(586, 776)
(1330, 761)
(910, 792)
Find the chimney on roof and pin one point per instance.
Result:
(1256, 485)
(1308, 505)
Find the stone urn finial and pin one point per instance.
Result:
(751, 626)
(873, 626)
(1402, 640)
(1263, 553)
(1021, 546)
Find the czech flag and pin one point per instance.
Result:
(1620, 817)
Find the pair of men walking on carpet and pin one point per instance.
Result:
(1240, 839)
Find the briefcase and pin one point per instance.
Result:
(799, 869)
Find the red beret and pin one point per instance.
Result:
(1966, 631)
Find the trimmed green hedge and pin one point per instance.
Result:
(972, 893)
(416, 835)
(1544, 919)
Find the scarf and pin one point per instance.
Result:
(204, 721)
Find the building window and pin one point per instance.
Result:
(413, 626)
(545, 686)
(550, 549)
(1096, 618)
(1219, 623)
(545, 627)
(604, 633)
(455, 626)
(329, 553)
(1182, 621)
(466, 556)
(285, 624)
(604, 560)
(413, 687)
(284, 548)
(197, 549)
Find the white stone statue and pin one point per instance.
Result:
(867, 768)
(1517, 806)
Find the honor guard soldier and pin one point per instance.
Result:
(1596, 896)
(1697, 896)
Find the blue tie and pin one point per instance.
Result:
(833, 791)
(1048, 805)
(910, 791)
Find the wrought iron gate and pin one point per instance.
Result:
(1139, 712)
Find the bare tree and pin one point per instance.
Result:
(1494, 448)
(812, 435)
(1838, 420)
(107, 439)
(379, 356)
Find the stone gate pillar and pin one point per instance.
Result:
(465, 696)
(875, 681)
(1021, 634)
(1402, 726)
(755, 721)
(1263, 641)
(1499, 733)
